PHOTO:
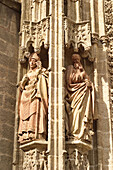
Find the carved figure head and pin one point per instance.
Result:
(34, 61)
(75, 58)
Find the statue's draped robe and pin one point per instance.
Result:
(80, 104)
(34, 104)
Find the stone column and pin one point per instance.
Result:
(77, 11)
(56, 136)
(101, 17)
(92, 9)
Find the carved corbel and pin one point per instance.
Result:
(24, 58)
(94, 38)
(104, 41)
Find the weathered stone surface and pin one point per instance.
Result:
(6, 162)
(6, 147)
(1, 100)
(10, 103)
(3, 73)
(100, 14)
(7, 132)
(8, 62)
(9, 28)
(8, 88)
(7, 116)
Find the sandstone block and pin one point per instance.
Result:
(6, 162)
(7, 132)
(6, 147)
(7, 116)
(10, 103)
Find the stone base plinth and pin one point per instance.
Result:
(34, 155)
(76, 157)
(83, 147)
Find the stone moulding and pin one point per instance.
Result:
(33, 144)
(83, 147)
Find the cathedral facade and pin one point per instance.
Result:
(56, 99)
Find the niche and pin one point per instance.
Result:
(88, 65)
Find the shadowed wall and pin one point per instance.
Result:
(9, 28)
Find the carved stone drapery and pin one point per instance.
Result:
(77, 34)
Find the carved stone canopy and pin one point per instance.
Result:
(35, 34)
(78, 35)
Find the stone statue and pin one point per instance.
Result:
(79, 102)
(33, 107)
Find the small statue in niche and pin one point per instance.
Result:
(79, 102)
(33, 107)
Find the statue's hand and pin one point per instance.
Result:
(24, 81)
(89, 84)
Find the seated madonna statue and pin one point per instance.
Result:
(33, 107)
(79, 102)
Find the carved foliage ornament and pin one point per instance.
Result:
(109, 18)
(35, 159)
(76, 160)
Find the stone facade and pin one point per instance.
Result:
(9, 28)
(56, 29)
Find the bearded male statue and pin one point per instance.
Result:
(79, 102)
(33, 105)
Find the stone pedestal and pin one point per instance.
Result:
(35, 155)
(77, 155)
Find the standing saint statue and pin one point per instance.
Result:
(33, 105)
(79, 102)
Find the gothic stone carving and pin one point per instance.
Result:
(77, 34)
(34, 33)
(79, 102)
(76, 160)
(33, 105)
(35, 160)
(109, 18)
(108, 6)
